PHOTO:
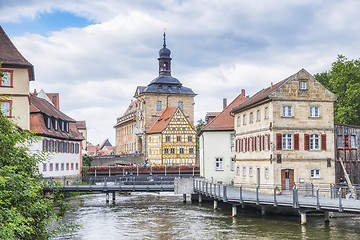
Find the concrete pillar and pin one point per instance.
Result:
(215, 204)
(234, 210)
(113, 196)
(200, 198)
(302, 217)
(263, 210)
(184, 198)
(107, 197)
(326, 216)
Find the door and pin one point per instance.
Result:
(258, 176)
(287, 179)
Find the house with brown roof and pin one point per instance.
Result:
(284, 134)
(216, 139)
(60, 139)
(171, 139)
(14, 84)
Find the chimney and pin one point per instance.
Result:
(272, 85)
(243, 92)
(224, 103)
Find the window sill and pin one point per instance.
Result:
(219, 170)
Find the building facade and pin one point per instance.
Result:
(285, 134)
(172, 139)
(217, 149)
(151, 101)
(61, 139)
(14, 85)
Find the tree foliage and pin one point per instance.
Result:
(344, 80)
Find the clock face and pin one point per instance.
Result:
(6, 79)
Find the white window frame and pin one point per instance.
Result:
(244, 171)
(314, 142)
(238, 171)
(250, 171)
(244, 119)
(251, 120)
(266, 113)
(5, 79)
(302, 85)
(266, 172)
(232, 164)
(219, 164)
(5, 108)
(287, 111)
(315, 173)
(258, 115)
(158, 105)
(314, 112)
(352, 141)
(287, 141)
(238, 121)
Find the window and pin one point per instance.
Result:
(178, 138)
(250, 171)
(287, 111)
(244, 119)
(5, 108)
(266, 172)
(172, 150)
(258, 143)
(167, 139)
(302, 85)
(149, 139)
(181, 151)
(51, 167)
(67, 166)
(62, 167)
(233, 164)
(352, 141)
(180, 104)
(44, 167)
(339, 142)
(238, 171)
(287, 141)
(72, 166)
(56, 167)
(346, 141)
(67, 126)
(266, 142)
(189, 138)
(244, 171)
(219, 164)
(56, 124)
(251, 118)
(158, 105)
(48, 122)
(56, 146)
(314, 112)
(77, 166)
(266, 112)
(7, 79)
(315, 173)
(62, 126)
(314, 142)
(238, 121)
(251, 144)
(191, 151)
(258, 115)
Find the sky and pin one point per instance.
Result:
(95, 53)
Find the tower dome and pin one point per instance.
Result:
(164, 52)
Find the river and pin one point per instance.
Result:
(164, 216)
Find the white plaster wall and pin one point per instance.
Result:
(58, 158)
(214, 145)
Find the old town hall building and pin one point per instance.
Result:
(151, 102)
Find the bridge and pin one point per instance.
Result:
(303, 198)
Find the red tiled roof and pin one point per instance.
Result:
(10, 56)
(162, 122)
(81, 124)
(261, 95)
(131, 108)
(40, 107)
(224, 121)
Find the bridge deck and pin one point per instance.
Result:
(113, 188)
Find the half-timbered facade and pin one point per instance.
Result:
(285, 134)
(172, 139)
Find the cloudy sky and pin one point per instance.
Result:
(95, 53)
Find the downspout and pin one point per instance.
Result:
(203, 154)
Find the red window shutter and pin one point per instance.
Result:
(296, 141)
(263, 142)
(248, 144)
(245, 144)
(268, 136)
(254, 143)
(241, 145)
(278, 141)
(236, 145)
(306, 141)
(323, 142)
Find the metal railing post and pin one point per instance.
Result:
(275, 201)
(295, 197)
(210, 186)
(219, 197)
(206, 187)
(224, 193)
(340, 201)
(257, 195)
(193, 170)
(317, 199)
(312, 190)
(241, 197)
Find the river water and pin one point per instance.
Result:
(164, 216)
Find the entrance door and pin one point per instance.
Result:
(258, 176)
(287, 179)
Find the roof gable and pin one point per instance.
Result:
(163, 121)
(225, 121)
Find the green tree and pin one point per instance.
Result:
(344, 80)
(199, 126)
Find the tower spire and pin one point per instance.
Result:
(164, 45)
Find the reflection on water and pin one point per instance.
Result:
(154, 216)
